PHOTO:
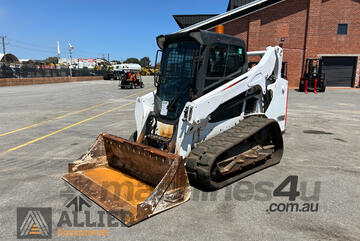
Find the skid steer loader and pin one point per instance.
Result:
(211, 120)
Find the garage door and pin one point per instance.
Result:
(340, 71)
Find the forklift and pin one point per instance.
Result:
(131, 79)
(313, 78)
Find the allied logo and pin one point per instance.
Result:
(34, 223)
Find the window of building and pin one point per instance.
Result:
(342, 29)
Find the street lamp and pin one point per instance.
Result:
(70, 51)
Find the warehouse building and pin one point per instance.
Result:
(304, 28)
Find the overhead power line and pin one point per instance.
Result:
(27, 44)
(12, 45)
(35, 47)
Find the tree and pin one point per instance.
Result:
(50, 60)
(115, 61)
(145, 61)
(132, 61)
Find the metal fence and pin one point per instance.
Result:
(8, 72)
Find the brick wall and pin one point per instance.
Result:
(48, 80)
(238, 28)
(288, 20)
(268, 26)
(322, 38)
(325, 15)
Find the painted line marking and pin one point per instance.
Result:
(71, 113)
(65, 128)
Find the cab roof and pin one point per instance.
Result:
(203, 37)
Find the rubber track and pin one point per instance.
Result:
(201, 158)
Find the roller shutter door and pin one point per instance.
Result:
(339, 71)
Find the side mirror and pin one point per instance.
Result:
(156, 79)
(156, 73)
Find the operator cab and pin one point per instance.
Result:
(193, 64)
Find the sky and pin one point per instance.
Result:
(122, 28)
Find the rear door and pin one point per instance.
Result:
(339, 71)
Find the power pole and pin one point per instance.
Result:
(108, 57)
(3, 44)
(70, 51)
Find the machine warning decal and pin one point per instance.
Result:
(164, 109)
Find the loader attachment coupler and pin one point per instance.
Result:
(129, 180)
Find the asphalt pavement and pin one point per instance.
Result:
(44, 127)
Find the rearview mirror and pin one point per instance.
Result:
(156, 79)
(156, 71)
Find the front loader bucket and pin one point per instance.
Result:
(129, 180)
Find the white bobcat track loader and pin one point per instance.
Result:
(211, 119)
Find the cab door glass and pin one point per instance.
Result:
(217, 60)
(225, 63)
(235, 59)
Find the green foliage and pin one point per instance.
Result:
(145, 61)
(116, 61)
(50, 60)
(132, 60)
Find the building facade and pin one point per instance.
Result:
(305, 29)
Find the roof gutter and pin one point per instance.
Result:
(227, 14)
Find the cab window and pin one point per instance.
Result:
(217, 61)
(225, 63)
(235, 60)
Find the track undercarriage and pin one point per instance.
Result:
(252, 145)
